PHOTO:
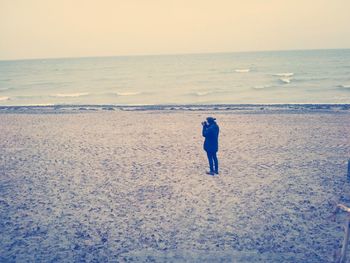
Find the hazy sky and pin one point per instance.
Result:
(70, 28)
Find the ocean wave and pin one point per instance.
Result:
(260, 87)
(346, 86)
(286, 75)
(4, 98)
(200, 93)
(70, 95)
(4, 89)
(242, 70)
(206, 93)
(127, 93)
(41, 104)
(285, 80)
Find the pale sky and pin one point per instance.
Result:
(75, 28)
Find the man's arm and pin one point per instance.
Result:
(204, 129)
(207, 130)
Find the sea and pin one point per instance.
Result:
(271, 77)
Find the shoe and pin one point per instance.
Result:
(210, 173)
(216, 172)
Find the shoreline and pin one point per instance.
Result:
(253, 108)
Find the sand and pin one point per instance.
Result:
(123, 186)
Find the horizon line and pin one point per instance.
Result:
(171, 54)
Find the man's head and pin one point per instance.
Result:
(211, 120)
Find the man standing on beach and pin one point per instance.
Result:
(211, 143)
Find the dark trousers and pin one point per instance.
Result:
(213, 162)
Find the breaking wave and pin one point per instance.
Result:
(70, 95)
(285, 80)
(346, 86)
(200, 93)
(127, 93)
(4, 89)
(284, 75)
(242, 70)
(261, 87)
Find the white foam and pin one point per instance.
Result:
(202, 93)
(4, 98)
(262, 87)
(242, 70)
(287, 74)
(40, 104)
(3, 89)
(346, 86)
(70, 95)
(285, 80)
(127, 93)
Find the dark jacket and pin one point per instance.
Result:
(211, 134)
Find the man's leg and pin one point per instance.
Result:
(216, 163)
(211, 163)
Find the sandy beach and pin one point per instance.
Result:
(122, 186)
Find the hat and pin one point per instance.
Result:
(210, 119)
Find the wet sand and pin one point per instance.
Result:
(124, 186)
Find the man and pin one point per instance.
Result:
(211, 133)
